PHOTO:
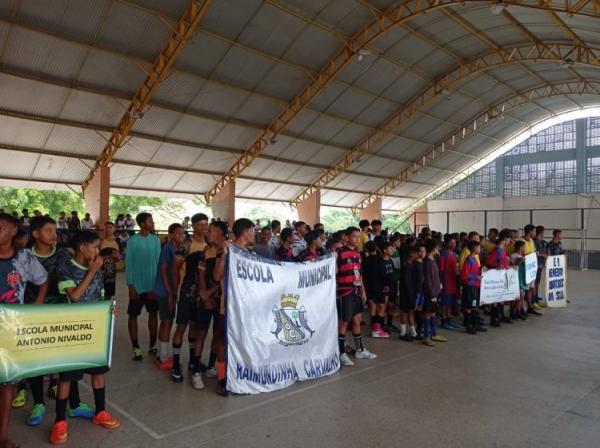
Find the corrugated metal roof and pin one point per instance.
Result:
(247, 59)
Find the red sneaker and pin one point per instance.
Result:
(58, 436)
(106, 420)
(167, 365)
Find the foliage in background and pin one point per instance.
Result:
(396, 224)
(335, 220)
(51, 202)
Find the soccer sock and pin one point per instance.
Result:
(99, 399)
(152, 342)
(176, 355)
(342, 343)
(358, 344)
(373, 319)
(432, 326)
(36, 385)
(425, 325)
(212, 359)
(135, 343)
(61, 409)
(389, 320)
(196, 360)
(74, 400)
(220, 370)
(163, 351)
(402, 329)
(192, 346)
(413, 331)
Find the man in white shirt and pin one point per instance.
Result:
(87, 223)
(275, 231)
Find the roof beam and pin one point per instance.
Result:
(179, 37)
(470, 127)
(184, 143)
(442, 85)
(86, 157)
(395, 16)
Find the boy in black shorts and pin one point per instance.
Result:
(208, 297)
(80, 281)
(374, 278)
(351, 296)
(17, 267)
(408, 294)
(110, 258)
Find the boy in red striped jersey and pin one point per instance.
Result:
(351, 296)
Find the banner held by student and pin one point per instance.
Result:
(556, 281)
(281, 322)
(499, 285)
(38, 340)
(531, 266)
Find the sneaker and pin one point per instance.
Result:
(379, 333)
(59, 436)
(20, 399)
(152, 351)
(81, 411)
(536, 306)
(406, 337)
(211, 373)
(470, 330)
(364, 354)
(176, 374)
(534, 312)
(507, 320)
(480, 329)
(137, 354)
(438, 338)
(345, 360)
(197, 382)
(428, 342)
(541, 303)
(37, 415)
(166, 365)
(106, 420)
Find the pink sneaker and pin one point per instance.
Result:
(378, 332)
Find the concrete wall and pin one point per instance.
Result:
(467, 214)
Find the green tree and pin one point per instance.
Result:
(51, 202)
(336, 220)
(396, 224)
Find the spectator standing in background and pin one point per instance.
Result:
(87, 223)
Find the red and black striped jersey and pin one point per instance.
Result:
(349, 270)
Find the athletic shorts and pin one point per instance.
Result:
(429, 306)
(447, 299)
(77, 375)
(204, 316)
(470, 297)
(164, 313)
(186, 312)
(376, 297)
(349, 306)
(147, 300)
(110, 289)
(407, 303)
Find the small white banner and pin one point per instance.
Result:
(531, 266)
(556, 281)
(499, 285)
(281, 322)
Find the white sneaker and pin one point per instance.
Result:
(197, 382)
(345, 360)
(211, 373)
(364, 354)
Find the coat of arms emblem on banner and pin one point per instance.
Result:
(292, 325)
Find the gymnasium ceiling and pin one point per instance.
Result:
(422, 92)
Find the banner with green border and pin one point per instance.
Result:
(42, 339)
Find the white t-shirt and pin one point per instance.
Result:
(61, 223)
(129, 224)
(87, 224)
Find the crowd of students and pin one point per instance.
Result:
(415, 281)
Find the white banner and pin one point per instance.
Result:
(499, 285)
(530, 267)
(281, 322)
(556, 281)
